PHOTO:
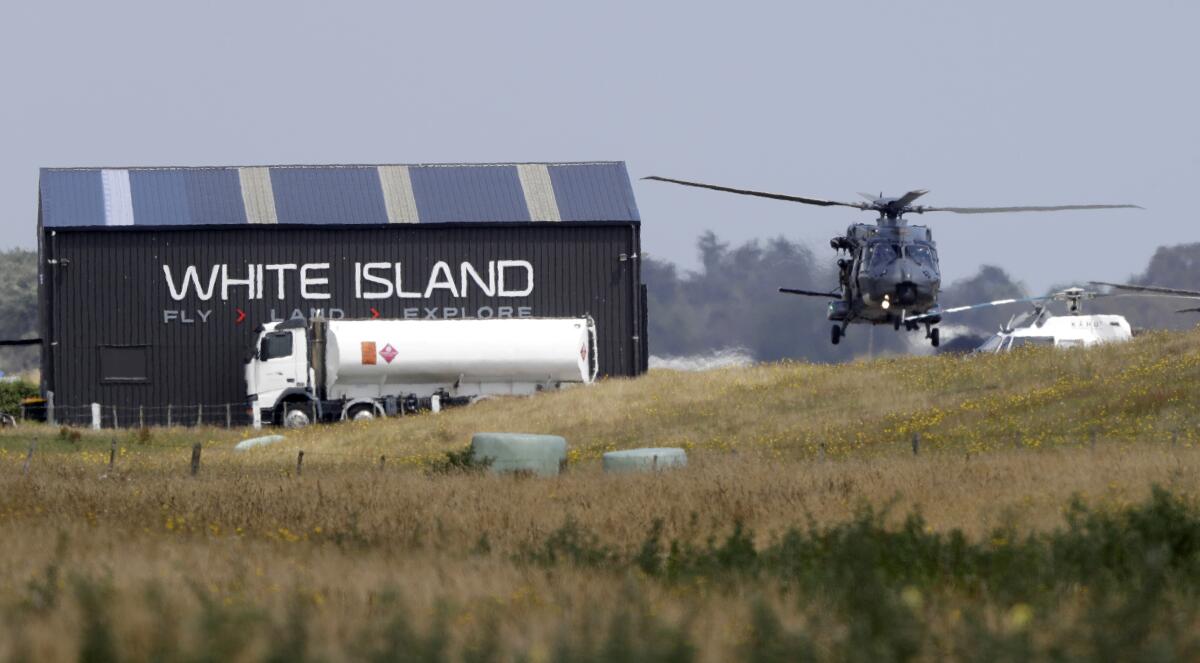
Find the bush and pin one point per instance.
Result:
(462, 461)
(11, 393)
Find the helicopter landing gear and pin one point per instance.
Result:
(934, 337)
(836, 334)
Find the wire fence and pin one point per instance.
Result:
(224, 415)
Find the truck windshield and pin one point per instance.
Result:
(275, 345)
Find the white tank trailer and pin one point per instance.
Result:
(329, 370)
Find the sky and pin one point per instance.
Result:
(1013, 103)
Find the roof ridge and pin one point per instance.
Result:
(497, 164)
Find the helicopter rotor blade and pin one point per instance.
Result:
(906, 199)
(809, 293)
(761, 194)
(1188, 310)
(1024, 208)
(870, 197)
(972, 307)
(1148, 288)
(1069, 296)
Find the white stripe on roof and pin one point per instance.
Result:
(257, 195)
(539, 192)
(118, 200)
(398, 195)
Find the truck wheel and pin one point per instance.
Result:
(361, 413)
(296, 419)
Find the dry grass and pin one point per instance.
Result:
(1006, 441)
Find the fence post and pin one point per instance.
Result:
(112, 455)
(28, 458)
(228, 416)
(199, 415)
(195, 458)
(256, 414)
(141, 416)
(115, 422)
(916, 443)
(168, 415)
(50, 407)
(821, 451)
(95, 416)
(299, 462)
(382, 460)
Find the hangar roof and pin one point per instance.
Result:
(335, 195)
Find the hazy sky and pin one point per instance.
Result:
(982, 103)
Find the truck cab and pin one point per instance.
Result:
(278, 369)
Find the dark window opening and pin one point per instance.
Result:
(124, 363)
(276, 345)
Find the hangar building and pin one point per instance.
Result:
(152, 280)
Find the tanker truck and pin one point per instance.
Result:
(301, 371)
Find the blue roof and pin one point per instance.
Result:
(335, 195)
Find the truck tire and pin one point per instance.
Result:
(295, 417)
(361, 413)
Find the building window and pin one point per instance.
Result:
(124, 363)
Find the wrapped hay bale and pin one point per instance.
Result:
(257, 442)
(543, 455)
(644, 460)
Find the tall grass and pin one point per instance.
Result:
(804, 528)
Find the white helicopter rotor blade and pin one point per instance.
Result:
(972, 307)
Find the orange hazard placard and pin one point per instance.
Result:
(368, 352)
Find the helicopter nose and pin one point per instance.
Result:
(906, 293)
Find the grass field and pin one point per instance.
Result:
(1051, 513)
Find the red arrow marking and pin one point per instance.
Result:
(374, 313)
(241, 316)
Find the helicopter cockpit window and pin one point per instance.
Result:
(1026, 341)
(920, 254)
(882, 255)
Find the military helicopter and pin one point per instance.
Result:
(891, 273)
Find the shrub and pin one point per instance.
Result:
(462, 461)
(12, 392)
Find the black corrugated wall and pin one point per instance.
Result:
(107, 287)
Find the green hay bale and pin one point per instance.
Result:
(542, 455)
(644, 460)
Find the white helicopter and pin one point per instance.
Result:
(1074, 329)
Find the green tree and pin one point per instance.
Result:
(18, 309)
